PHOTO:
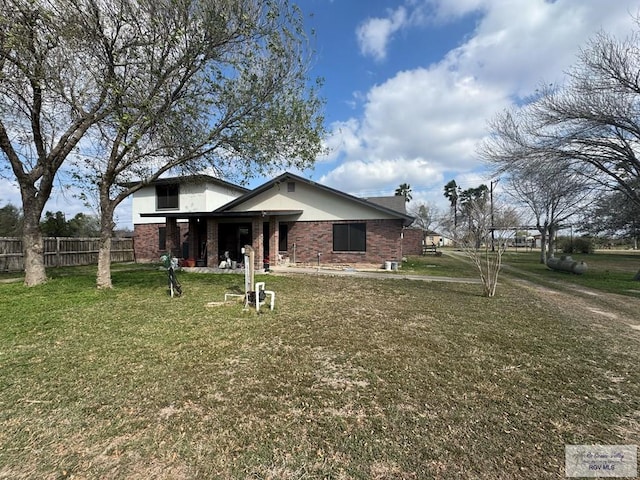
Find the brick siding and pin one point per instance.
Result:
(412, 241)
(147, 245)
(383, 242)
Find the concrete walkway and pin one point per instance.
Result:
(382, 274)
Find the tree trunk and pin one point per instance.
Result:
(33, 246)
(543, 245)
(552, 240)
(103, 279)
(33, 249)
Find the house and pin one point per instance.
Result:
(289, 218)
(416, 238)
(183, 195)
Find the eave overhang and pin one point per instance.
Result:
(218, 214)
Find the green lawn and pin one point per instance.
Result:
(608, 272)
(444, 265)
(346, 378)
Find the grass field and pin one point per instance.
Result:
(608, 272)
(346, 378)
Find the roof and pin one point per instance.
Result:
(396, 202)
(407, 219)
(217, 214)
(194, 179)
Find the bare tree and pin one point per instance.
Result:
(228, 93)
(594, 121)
(426, 216)
(590, 126)
(172, 86)
(474, 237)
(552, 193)
(51, 92)
(571, 141)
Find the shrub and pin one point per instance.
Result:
(576, 245)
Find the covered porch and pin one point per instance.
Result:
(213, 237)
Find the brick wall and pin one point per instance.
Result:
(146, 241)
(212, 242)
(383, 242)
(412, 241)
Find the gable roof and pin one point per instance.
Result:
(407, 220)
(194, 179)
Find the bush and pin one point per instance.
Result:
(576, 245)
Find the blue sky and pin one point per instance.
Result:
(410, 85)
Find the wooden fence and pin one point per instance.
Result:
(64, 252)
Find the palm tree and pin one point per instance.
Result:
(404, 190)
(451, 193)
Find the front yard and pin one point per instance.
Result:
(347, 378)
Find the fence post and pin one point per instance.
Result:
(57, 251)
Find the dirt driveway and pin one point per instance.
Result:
(603, 308)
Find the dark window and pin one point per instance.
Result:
(291, 186)
(162, 238)
(167, 196)
(283, 241)
(349, 237)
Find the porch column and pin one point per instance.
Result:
(173, 234)
(212, 243)
(274, 243)
(193, 238)
(257, 242)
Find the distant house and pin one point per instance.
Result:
(434, 238)
(288, 218)
(416, 238)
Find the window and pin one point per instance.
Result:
(291, 186)
(283, 233)
(167, 196)
(162, 238)
(349, 237)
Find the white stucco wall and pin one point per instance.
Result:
(192, 198)
(316, 204)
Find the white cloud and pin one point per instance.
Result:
(343, 139)
(446, 10)
(381, 177)
(416, 126)
(430, 114)
(425, 123)
(375, 33)
(519, 44)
